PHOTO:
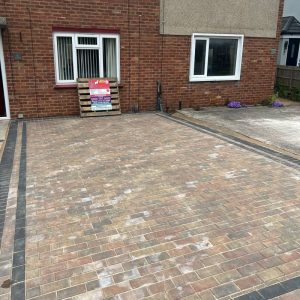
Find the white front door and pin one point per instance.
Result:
(4, 102)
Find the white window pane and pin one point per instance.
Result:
(222, 57)
(200, 51)
(65, 58)
(110, 57)
(88, 63)
(82, 40)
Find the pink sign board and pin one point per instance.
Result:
(100, 94)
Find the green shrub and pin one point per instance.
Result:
(268, 101)
(295, 94)
(285, 92)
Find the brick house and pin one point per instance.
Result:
(289, 49)
(203, 52)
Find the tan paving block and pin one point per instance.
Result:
(116, 289)
(71, 291)
(54, 286)
(135, 294)
(207, 295)
(67, 273)
(290, 267)
(192, 297)
(137, 204)
(225, 290)
(181, 292)
(250, 269)
(204, 284)
(209, 271)
(228, 276)
(295, 295)
(158, 287)
(248, 282)
(35, 282)
(51, 296)
(83, 278)
(145, 280)
(269, 274)
(33, 292)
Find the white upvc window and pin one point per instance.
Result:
(216, 57)
(86, 56)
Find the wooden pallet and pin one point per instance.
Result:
(85, 102)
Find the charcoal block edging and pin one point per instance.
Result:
(19, 257)
(6, 166)
(261, 150)
(273, 291)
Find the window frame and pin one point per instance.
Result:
(86, 46)
(206, 37)
(75, 46)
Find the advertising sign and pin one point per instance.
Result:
(100, 94)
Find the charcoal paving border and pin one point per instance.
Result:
(273, 291)
(267, 152)
(6, 166)
(18, 289)
(18, 271)
(283, 287)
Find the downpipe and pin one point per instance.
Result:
(159, 106)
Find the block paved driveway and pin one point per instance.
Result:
(138, 206)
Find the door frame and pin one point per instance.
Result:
(289, 38)
(4, 80)
(298, 60)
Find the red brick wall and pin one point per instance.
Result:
(257, 75)
(32, 80)
(146, 57)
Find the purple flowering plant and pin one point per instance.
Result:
(234, 104)
(277, 104)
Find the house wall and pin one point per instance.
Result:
(256, 84)
(257, 74)
(31, 80)
(299, 57)
(255, 18)
(283, 53)
(146, 56)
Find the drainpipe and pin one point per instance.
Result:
(159, 105)
(158, 101)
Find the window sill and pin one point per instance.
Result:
(65, 86)
(73, 86)
(214, 79)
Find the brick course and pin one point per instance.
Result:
(146, 56)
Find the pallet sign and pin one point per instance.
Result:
(85, 98)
